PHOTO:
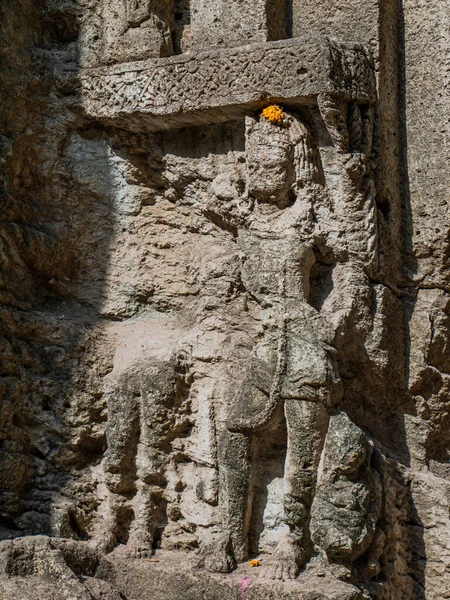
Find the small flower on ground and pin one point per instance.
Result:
(255, 562)
(274, 114)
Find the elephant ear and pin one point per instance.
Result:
(253, 400)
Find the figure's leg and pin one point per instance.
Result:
(161, 392)
(151, 479)
(122, 434)
(119, 470)
(142, 529)
(104, 538)
(307, 424)
(234, 470)
(237, 476)
(252, 405)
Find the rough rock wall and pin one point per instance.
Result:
(425, 170)
(164, 292)
(50, 395)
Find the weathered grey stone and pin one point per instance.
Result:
(34, 568)
(169, 578)
(223, 337)
(347, 504)
(236, 22)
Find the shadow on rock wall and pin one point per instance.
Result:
(59, 217)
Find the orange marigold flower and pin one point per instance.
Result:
(255, 562)
(273, 113)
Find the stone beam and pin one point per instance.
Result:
(220, 85)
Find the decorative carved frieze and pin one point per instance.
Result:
(219, 85)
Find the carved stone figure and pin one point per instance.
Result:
(294, 363)
(148, 406)
(285, 222)
(347, 503)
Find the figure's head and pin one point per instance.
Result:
(280, 157)
(270, 154)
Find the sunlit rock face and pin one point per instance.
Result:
(224, 301)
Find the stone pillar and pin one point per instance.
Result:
(425, 84)
(237, 22)
(425, 69)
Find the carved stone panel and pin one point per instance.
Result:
(137, 29)
(236, 23)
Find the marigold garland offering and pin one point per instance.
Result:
(255, 562)
(274, 114)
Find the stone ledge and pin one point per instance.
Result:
(175, 577)
(38, 567)
(220, 85)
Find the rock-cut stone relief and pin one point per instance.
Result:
(224, 312)
(295, 362)
(239, 297)
(182, 438)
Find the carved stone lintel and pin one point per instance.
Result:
(219, 85)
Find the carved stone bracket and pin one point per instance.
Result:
(219, 85)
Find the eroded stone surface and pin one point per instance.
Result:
(210, 349)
